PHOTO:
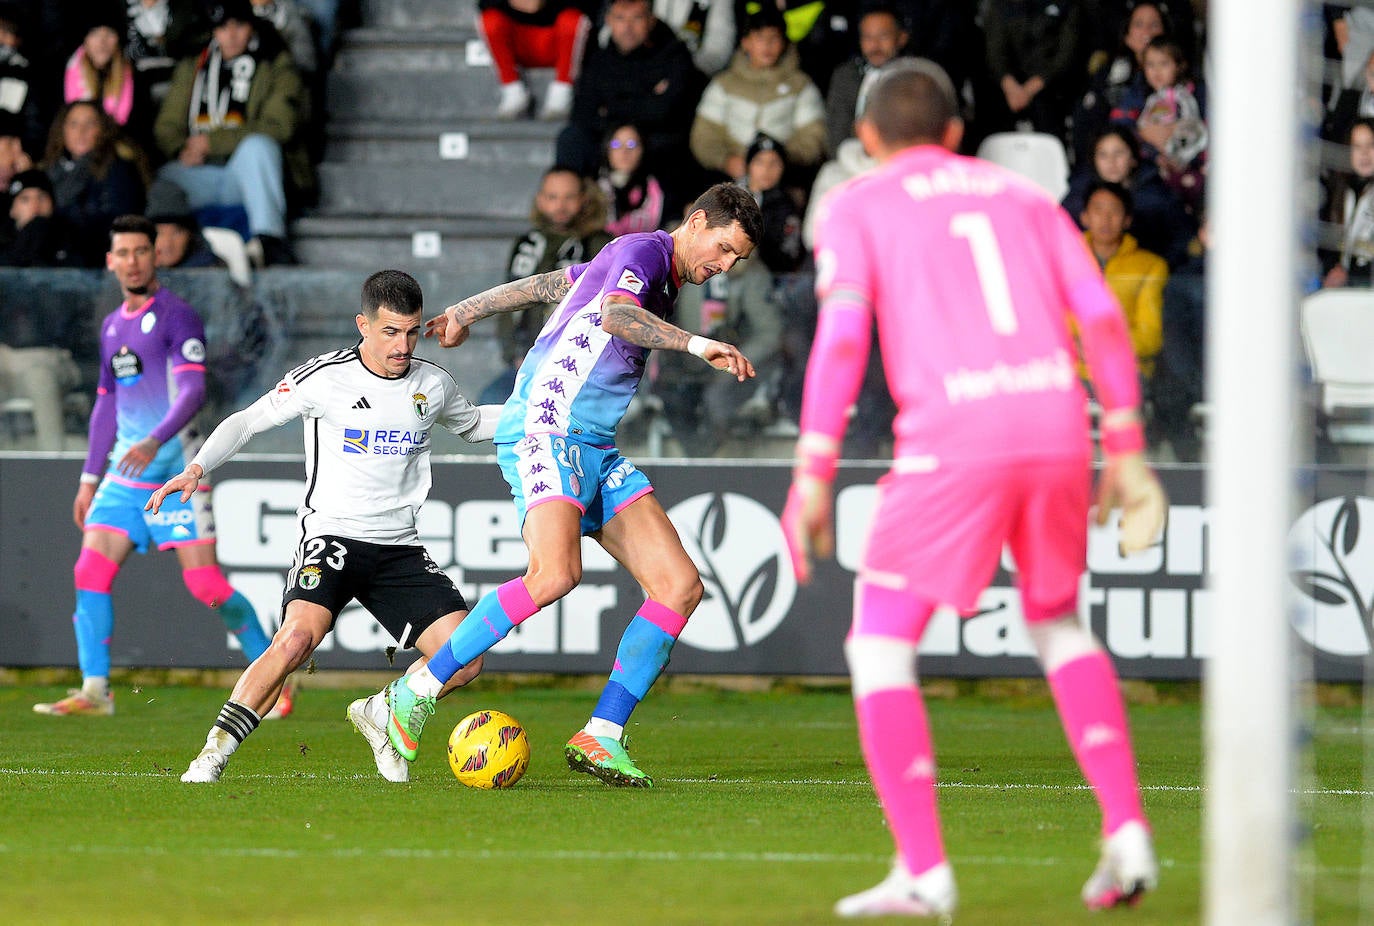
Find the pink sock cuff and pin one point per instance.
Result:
(207, 585)
(94, 572)
(663, 617)
(516, 601)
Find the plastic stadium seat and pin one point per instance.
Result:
(1035, 155)
(1338, 333)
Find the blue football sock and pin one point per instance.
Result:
(94, 620)
(639, 660)
(238, 615)
(491, 619)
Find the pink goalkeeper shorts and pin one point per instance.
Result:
(942, 532)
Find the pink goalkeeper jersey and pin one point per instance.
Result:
(971, 272)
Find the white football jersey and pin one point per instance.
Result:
(367, 442)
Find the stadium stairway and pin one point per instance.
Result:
(417, 173)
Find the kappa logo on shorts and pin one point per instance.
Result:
(309, 578)
(629, 281)
(355, 440)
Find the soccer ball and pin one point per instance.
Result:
(488, 749)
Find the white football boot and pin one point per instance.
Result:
(931, 893)
(1126, 871)
(369, 717)
(206, 767)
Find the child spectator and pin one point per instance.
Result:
(634, 197)
(1134, 275)
(99, 69)
(529, 34)
(92, 184)
(1171, 127)
(780, 249)
(1122, 74)
(763, 90)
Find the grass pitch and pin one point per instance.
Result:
(761, 814)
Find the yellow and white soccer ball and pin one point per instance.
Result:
(488, 749)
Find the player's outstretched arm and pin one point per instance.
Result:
(451, 328)
(186, 482)
(624, 319)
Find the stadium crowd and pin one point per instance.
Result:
(205, 113)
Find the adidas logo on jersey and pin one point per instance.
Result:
(362, 403)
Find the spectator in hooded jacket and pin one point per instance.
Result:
(763, 90)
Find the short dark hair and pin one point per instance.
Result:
(913, 101)
(1116, 189)
(395, 289)
(132, 225)
(726, 203)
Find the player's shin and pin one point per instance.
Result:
(208, 585)
(93, 619)
(639, 660)
(1084, 685)
(491, 619)
(895, 735)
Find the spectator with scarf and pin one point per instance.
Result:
(231, 125)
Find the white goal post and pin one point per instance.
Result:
(1256, 197)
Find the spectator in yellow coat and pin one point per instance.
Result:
(1135, 275)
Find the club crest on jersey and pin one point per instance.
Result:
(309, 578)
(629, 281)
(421, 405)
(148, 322)
(355, 440)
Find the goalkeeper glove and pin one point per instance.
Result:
(1127, 483)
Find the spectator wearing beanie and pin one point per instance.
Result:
(179, 241)
(99, 69)
(765, 163)
(36, 236)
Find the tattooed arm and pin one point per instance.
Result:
(452, 327)
(623, 319)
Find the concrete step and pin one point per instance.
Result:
(412, 14)
(520, 142)
(403, 190)
(479, 246)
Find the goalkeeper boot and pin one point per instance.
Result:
(369, 717)
(206, 767)
(931, 893)
(606, 758)
(78, 702)
(408, 711)
(1126, 870)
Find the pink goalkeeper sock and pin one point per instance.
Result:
(1085, 691)
(895, 734)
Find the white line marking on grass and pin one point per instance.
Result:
(775, 782)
